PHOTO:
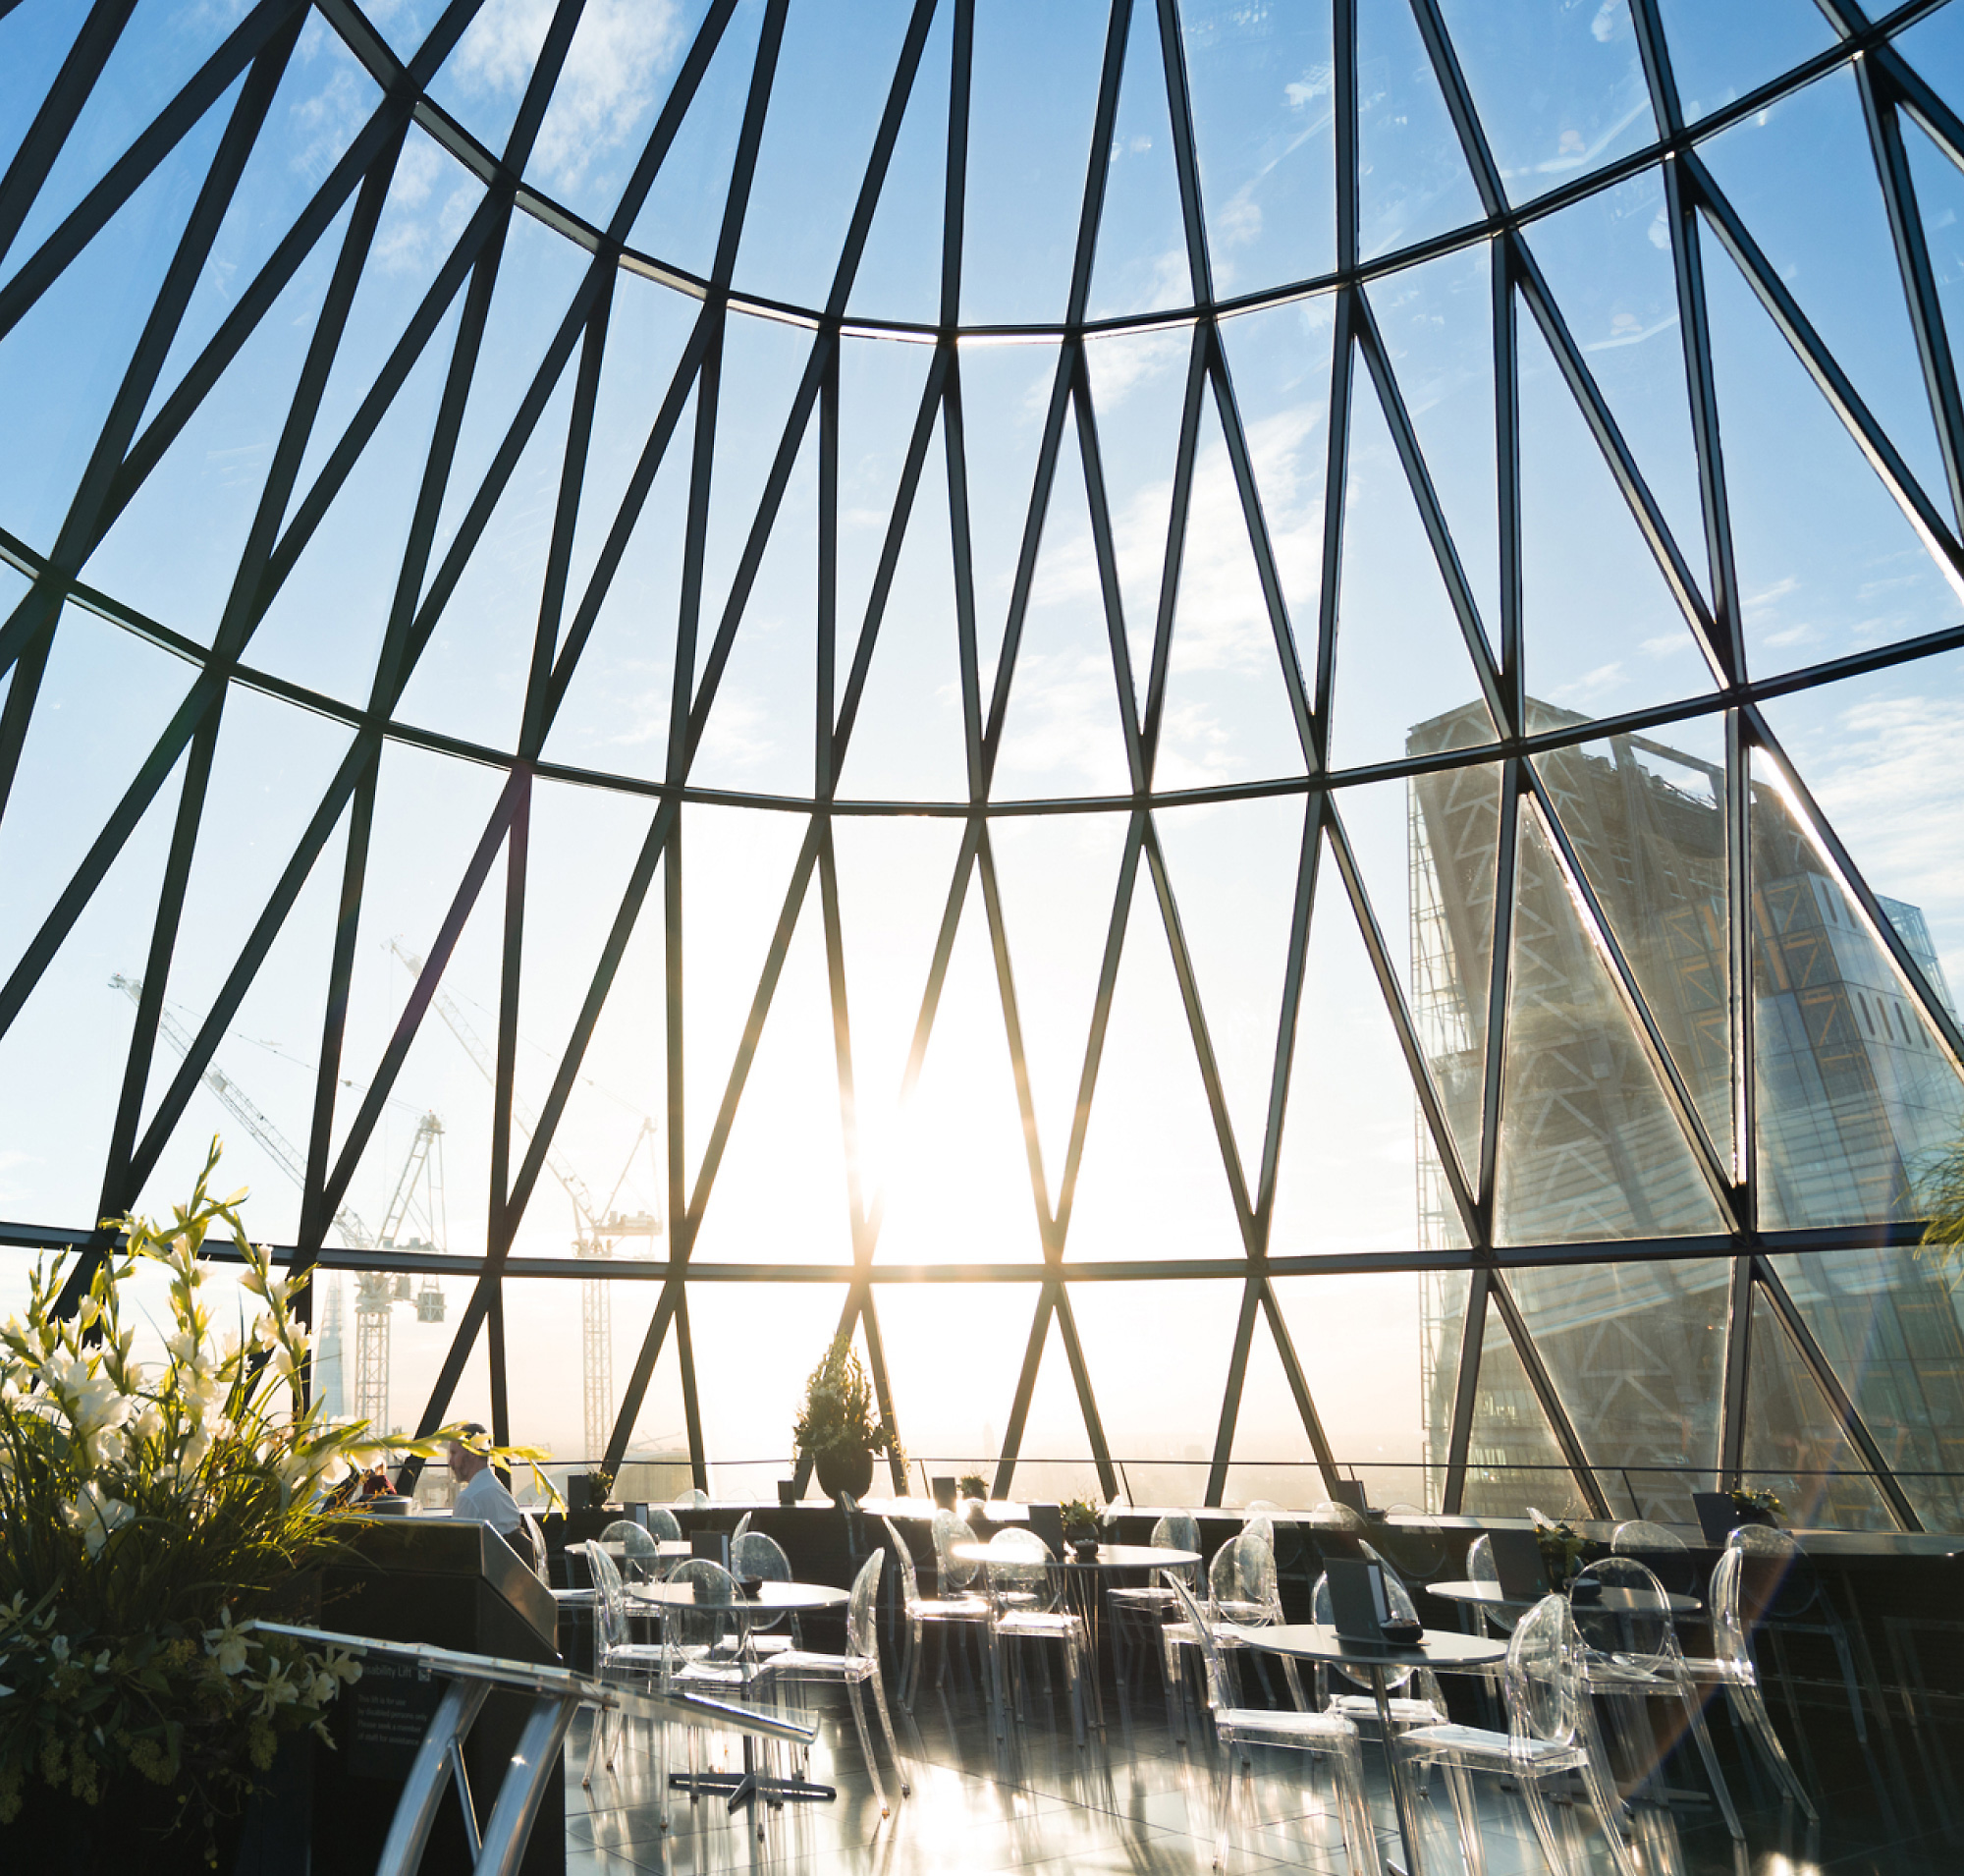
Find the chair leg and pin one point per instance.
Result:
(857, 1699)
(1694, 1715)
(1610, 1809)
(1750, 1710)
(1554, 1851)
(1466, 1814)
(1224, 1806)
(1360, 1834)
(886, 1726)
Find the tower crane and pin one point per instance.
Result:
(375, 1291)
(597, 1229)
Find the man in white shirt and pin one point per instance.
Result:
(482, 1496)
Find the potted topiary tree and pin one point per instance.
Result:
(837, 1424)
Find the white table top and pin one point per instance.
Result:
(1612, 1601)
(1108, 1556)
(771, 1598)
(1436, 1648)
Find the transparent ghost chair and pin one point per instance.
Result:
(962, 1607)
(1324, 1735)
(1144, 1608)
(1415, 1697)
(695, 1499)
(742, 1529)
(1660, 1549)
(1544, 1742)
(704, 1642)
(1631, 1656)
(542, 1569)
(1027, 1603)
(640, 1558)
(616, 1657)
(856, 1668)
(753, 1554)
(663, 1524)
(1242, 1593)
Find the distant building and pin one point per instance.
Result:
(1853, 1098)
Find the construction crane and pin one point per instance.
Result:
(375, 1291)
(597, 1229)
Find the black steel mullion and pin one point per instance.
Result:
(1012, 1025)
(494, 1352)
(691, 1405)
(1616, 456)
(1100, 1017)
(1411, 458)
(1507, 479)
(1933, 1008)
(883, 1387)
(1230, 1395)
(641, 1374)
(825, 688)
(1298, 1387)
(955, 193)
(1104, 554)
(1175, 546)
(1343, 59)
(1203, 1043)
(1828, 377)
(1740, 904)
(1228, 409)
(1636, 1005)
(500, 1218)
(1918, 277)
(1185, 154)
(63, 105)
(1087, 1399)
(1098, 167)
(1464, 1198)
(955, 451)
(695, 540)
(1027, 1381)
(842, 1043)
(1343, 373)
(1465, 1393)
(1459, 107)
(1493, 1079)
(1737, 1377)
(1543, 1385)
(1294, 972)
(1814, 1358)
(1654, 48)
(1943, 126)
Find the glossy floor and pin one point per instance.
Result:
(1136, 1801)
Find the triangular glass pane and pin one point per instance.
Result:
(1437, 322)
(894, 879)
(581, 849)
(1589, 1147)
(1795, 1446)
(1029, 138)
(1228, 714)
(1647, 819)
(1138, 384)
(1608, 262)
(1064, 731)
(1442, 1317)
(1055, 1447)
(1855, 1096)
(1272, 1456)
(1141, 263)
(325, 625)
(1828, 564)
(413, 1352)
(1720, 53)
(471, 677)
(1279, 366)
(1559, 88)
(1352, 1137)
(1514, 1458)
(430, 813)
(545, 1369)
(1935, 46)
(35, 39)
(1887, 1319)
(1637, 1353)
(207, 487)
(749, 1407)
(1153, 1182)
(57, 1126)
(954, 1351)
(907, 737)
(618, 70)
(781, 1192)
(1412, 176)
(96, 311)
(1150, 1413)
(1358, 1340)
(1940, 199)
(656, 1467)
(1802, 177)
(1005, 393)
(834, 75)
(956, 1186)
(736, 867)
(1264, 118)
(683, 217)
(1401, 654)
(1429, 851)
(1058, 875)
(762, 723)
(1603, 632)
(899, 268)
(1232, 870)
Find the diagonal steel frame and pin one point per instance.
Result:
(1175, 544)
(1738, 1373)
(1466, 1391)
(1507, 888)
(1336, 487)
(1501, 1297)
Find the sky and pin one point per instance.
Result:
(1826, 565)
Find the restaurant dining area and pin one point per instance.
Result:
(981, 936)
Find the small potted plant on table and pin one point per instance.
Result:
(1757, 1508)
(1081, 1527)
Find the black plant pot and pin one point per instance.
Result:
(844, 1472)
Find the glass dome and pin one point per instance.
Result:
(1241, 723)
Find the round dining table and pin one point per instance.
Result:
(1611, 1601)
(1438, 1649)
(772, 1600)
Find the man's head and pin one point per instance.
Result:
(467, 1453)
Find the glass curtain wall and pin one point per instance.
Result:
(1234, 728)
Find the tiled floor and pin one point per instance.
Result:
(1135, 1802)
